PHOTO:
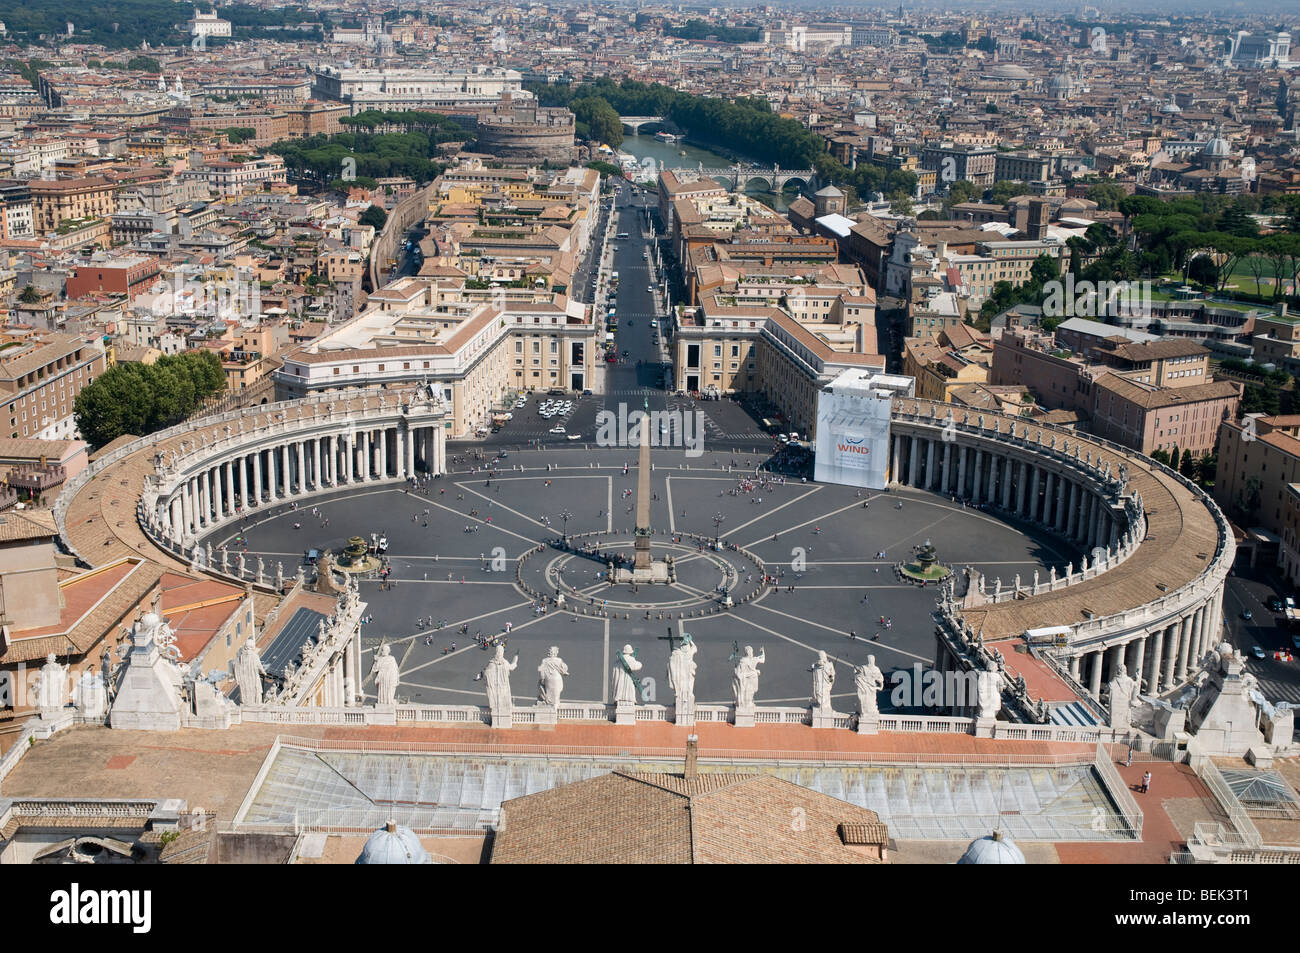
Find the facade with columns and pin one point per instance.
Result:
(297, 449)
(1154, 551)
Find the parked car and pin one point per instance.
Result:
(1275, 604)
(1259, 653)
(1246, 614)
(559, 428)
(575, 436)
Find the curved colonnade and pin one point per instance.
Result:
(1148, 593)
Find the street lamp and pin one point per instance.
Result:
(565, 516)
(718, 520)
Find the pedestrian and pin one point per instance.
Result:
(1146, 782)
(1129, 760)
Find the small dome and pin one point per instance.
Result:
(1171, 109)
(993, 849)
(1217, 148)
(830, 192)
(1061, 81)
(394, 844)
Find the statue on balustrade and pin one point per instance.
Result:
(550, 683)
(387, 675)
(744, 678)
(625, 668)
(497, 677)
(823, 679)
(1123, 689)
(681, 673)
(868, 680)
(990, 691)
(51, 684)
(248, 673)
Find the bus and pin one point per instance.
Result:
(621, 235)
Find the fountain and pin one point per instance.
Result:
(356, 557)
(926, 567)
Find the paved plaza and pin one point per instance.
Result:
(461, 545)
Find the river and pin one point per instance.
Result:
(669, 155)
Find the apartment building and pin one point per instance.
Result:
(60, 200)
(41, 375)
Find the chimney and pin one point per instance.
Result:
(692, 756)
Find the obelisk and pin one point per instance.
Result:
(641, 543)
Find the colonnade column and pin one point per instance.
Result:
(894, 471)
(1033, 495)
(912, 461)
(242, 462)
(1171, 656)
(257, 477)
(930, 472)
(1062, 514)
(1094, 686)
(1153, 667)
(1184, 647)
(1138, 656)
(1022, 484)
(1072, 526)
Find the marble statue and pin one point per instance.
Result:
(744, 679)
(51, 687)
(1122, 691)
(990, 691)
(625, 668)
(497, 677)
(823, 679)
(681, 673)
(90, 696)
(868, 679)
(551, 681)
(386, 676)
(248, 673)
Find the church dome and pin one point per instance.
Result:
(1061, 82)
(993, 849)
(1217, 148)
(1171, 108)
(394, 844)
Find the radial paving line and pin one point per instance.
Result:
(775, 509)
(813, 521)
(829, 629)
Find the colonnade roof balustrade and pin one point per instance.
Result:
(1185, 530)
(97, 512)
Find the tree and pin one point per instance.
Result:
(600, 119)
(141, 399)
(145, 64)
(1249, 500)
(1187, 466)
(960, 191)
(1203, 271)
(1004, 191)
(1107, 195)
(374, 216)
(29, 295)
